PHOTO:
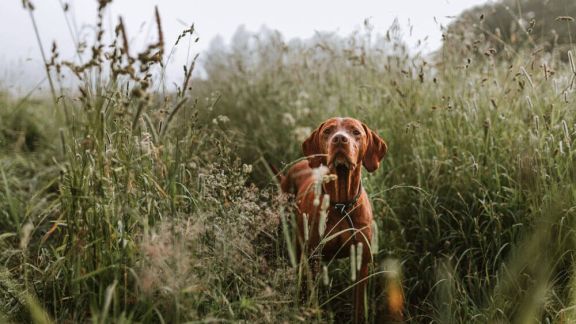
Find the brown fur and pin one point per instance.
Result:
(337, 140)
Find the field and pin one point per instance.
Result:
(124, 201)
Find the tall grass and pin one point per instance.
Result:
(123, 204)
(477, 193)
(123, 207)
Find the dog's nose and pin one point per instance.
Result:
(339, 138)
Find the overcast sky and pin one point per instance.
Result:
(20, 66)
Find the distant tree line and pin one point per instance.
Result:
(511, 25)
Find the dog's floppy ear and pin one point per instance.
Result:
(375, 150)
(311, 146)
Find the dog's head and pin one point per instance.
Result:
(342, 144)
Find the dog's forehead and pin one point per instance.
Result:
(342, 121)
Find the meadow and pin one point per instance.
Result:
(124, 200)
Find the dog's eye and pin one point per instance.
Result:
(356, 132)
(327, 131)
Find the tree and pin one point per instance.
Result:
(511, 25)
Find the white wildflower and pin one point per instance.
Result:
(247, 168)
(221, 119)
(301, 133)
(288, 119)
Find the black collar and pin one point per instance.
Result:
(345, 208)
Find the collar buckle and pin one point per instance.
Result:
(341, 208)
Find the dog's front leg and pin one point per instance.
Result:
(360, 293)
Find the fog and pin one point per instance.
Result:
(21, 68)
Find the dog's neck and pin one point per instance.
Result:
(346, 188)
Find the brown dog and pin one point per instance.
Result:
(342, 145)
